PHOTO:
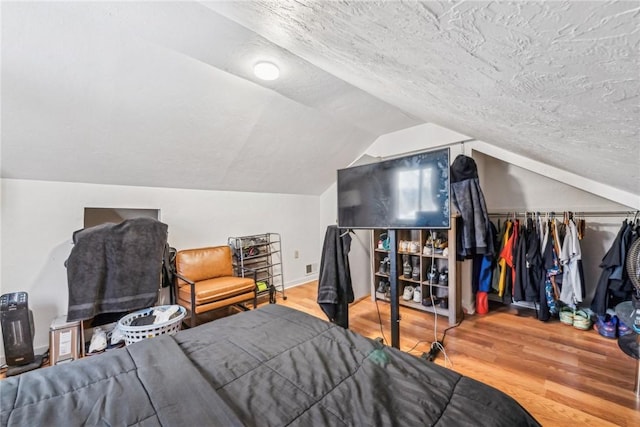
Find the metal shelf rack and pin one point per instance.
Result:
(262, 253)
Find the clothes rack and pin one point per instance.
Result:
(630, 213)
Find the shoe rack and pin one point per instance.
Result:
(262, 253)
(426, 262)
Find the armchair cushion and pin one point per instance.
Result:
(217, 289)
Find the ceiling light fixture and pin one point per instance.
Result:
(266, 71)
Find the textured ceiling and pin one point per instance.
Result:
(161, 94)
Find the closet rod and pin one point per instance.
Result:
(576, 213)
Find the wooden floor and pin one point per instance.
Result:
(561, 375)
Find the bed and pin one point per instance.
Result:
(273, 366)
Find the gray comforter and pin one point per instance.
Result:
(269, 367)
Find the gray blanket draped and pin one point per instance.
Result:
(151, 383)
(115, 267)
(269, 367)
(335, 291)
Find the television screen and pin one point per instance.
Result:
(406, 192)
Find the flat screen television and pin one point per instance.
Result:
(405, 192)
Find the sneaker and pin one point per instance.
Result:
(382, 286)
(623, 329)
(440, 246)
(566, 315)
(417, 294)
(581, 320)
(415, 274)
(432, 276)
(443, 278)
(427, 302)
(98, 341)
(607, 325)
(414, 247)
(408, 293)
(384, 266)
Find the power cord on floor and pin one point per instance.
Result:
(384, 339)
(437, 345)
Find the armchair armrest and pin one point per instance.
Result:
(181, 277)
(191, 284)
(253, 271)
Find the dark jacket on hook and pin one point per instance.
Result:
(466, 196)
(335, 291)
(614, 285)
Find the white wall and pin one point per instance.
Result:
(38, 219)
(359, 254)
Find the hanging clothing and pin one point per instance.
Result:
(521, 280)
(500, 242)
(335, 290)
(572, 286)
(614, 285)
(549, 291)
(505, 269)
(466, 196)
(535, 270)
(115, 267)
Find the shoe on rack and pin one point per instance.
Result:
(443, 278)
(440, 246)
(408, 293)
(382, 286)
(415, 274)
(417, 294)
(384, 266)
(428, 302)
(432, 276)
(607, 325)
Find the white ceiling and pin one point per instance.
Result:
(161, 93)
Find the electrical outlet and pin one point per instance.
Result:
(309, 268)
(296, 254)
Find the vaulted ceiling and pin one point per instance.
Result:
(162, 93)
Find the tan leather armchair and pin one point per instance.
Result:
(205, 281)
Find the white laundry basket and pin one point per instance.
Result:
(137, 333)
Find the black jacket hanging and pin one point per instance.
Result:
(335, 290)
(610, 264)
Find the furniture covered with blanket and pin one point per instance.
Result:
(205, 281)
(114, 268)
(273, 366)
